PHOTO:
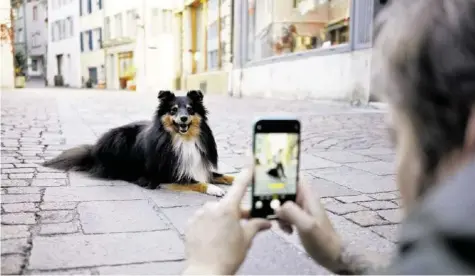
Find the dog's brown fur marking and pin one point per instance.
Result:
(225, 179)
(198, 187)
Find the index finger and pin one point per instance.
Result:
(239, 187)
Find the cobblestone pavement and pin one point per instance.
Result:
(55, 222)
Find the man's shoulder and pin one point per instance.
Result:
(439, 236)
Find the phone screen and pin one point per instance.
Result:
(276, 164)
(276, 158)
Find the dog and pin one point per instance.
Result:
(176, 150)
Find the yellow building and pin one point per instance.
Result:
(203, 34)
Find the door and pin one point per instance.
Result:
(93, 74)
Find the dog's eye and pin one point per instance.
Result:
(174, 109)
(189, 109)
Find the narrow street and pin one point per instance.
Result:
(55, 222)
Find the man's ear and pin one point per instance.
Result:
(195, 95)
(165, 95)
(469, 143)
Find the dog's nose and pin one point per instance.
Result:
(183, 119)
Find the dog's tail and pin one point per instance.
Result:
(79, 158)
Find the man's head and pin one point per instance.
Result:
(424, 64)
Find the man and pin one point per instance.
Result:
(424, 62)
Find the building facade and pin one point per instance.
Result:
(20, 28)
(36, 12)
(317, 49)
(63, 43)
(120, 34)
(90, 39)
(204, 35)
(7, 79)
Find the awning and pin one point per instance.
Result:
(338, 24)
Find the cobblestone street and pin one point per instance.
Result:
(55, 222)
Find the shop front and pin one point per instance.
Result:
(318, 49)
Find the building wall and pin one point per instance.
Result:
(36, 13)
(61, 41)
(6, 55)
(343, 76)
(92, 23)
(20, 30)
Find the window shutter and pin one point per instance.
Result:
(80, 7)
(90, 40)
(363, 24)
(89, 6)
(81, 41)
(99, 4)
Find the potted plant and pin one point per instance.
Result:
(20, 67)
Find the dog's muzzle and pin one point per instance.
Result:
(183, 124)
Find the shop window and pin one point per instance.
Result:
(290, 26)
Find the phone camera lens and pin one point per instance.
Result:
(259, 127)
(296, 126)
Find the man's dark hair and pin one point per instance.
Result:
(424, 63)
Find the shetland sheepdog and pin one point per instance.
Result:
(176, 150)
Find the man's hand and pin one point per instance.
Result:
(216, 241)
(316, 232)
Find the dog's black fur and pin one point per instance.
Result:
(142, 152)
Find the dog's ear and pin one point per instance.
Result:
(164, 95)
(195, 95)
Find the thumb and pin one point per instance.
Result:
(253, 226)
(293, 214)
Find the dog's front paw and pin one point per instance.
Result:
(215, 190)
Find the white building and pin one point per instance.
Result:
(64, 43)
(6, 55)
(138, 34)
(92, 52)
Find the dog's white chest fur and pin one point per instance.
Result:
(191, 163)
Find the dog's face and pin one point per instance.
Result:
(182, 114)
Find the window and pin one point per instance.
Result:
(71, 26)
(89, 34)
(81, 41)
(89, 6)
(118, 25)
(99, 38)
(131, 23)
(155, 18)
(35, 13)
(107, 28)
(80, 7)
(280, 27)
(213, 59)
(20, 35)
(99, 4)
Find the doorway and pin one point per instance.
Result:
(93, 75)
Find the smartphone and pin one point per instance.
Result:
(276, 151)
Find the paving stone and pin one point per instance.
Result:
(26, 165)
(268, 248)
(325, 188)
(18, 170)
(179, 216)
(14, 231)
(19, 207)
(374, 151)
(80, 180)
(343, 208)
(24, 190)
(4, 176)
(308, 162)
(6, 166)
(56, 175)
(385, 196)
(123, 216)
(161, 268)
(366, 218)
(390, 232)
(394, 216)
(20, 198)
(21, 176)
(59, 228)
(81, 271)
(376, 167)
(58, 205)
(225, 168)
(384, 157)
(102, 250)
(93, 193)
(353, 199)
(379, 205)
(18, 218)
(12, 264)
(47, 170)
(165, 198)
(56, 216)
(398, 202)
(358, 180)
(48, 182)
(14, 183)
(343, 157)
(15, 246)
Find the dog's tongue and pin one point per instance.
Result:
(183, 128)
